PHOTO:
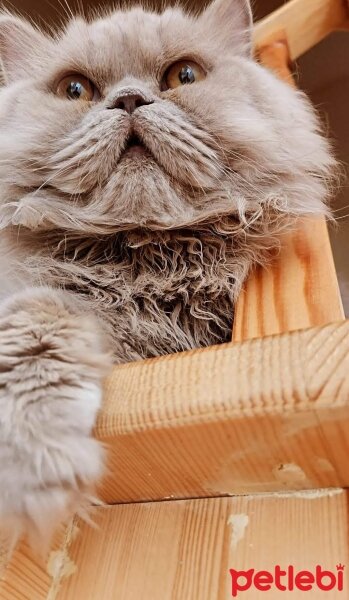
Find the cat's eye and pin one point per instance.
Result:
(182, 72)
(77, 87)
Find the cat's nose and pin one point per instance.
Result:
(129, 102)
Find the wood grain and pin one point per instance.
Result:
(225, 419)
(276, 57)
(183, 550)
(29, 576)
(304, 23)
(298, 290)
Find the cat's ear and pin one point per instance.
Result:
(21, 47)
(231, 19)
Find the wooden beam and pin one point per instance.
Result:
(31, 576)
(183, 550)
(266, 414)
(298, 290)
(304, 23)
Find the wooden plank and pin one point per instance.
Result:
(304, 23)
(183, 550)
(276, 57)
(299, 290)
(227, 419)
(29, 576)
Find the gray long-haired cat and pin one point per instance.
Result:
(146, 161)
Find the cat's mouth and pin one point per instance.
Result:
(134, 146)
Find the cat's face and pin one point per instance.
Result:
(159, 121)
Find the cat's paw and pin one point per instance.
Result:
(51, 369)
(46, 485)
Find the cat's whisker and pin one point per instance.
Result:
(341, 217)
(66, 8)
(340, 208)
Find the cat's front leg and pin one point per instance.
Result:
(52, 361)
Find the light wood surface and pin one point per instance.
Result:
(276, 57)
(225, 419)
(30, 576)
(304, 23)
(183, 550)
(298, 290)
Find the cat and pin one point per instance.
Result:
(146, 163)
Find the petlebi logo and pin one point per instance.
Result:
(287, 579)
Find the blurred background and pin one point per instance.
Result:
(323, 73)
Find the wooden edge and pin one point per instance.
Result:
(303, 23)
(300, 288)
(30, 575)
(266, 414)
(297, 291)
(183, 550)
(276, 56)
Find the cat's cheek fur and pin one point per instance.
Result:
(52, 360)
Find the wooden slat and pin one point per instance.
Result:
(276, 57)
(183, 550)
(226, 419)
(299, 290)
(29, 576)
(304, 23)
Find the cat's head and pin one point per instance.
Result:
(152, 120)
